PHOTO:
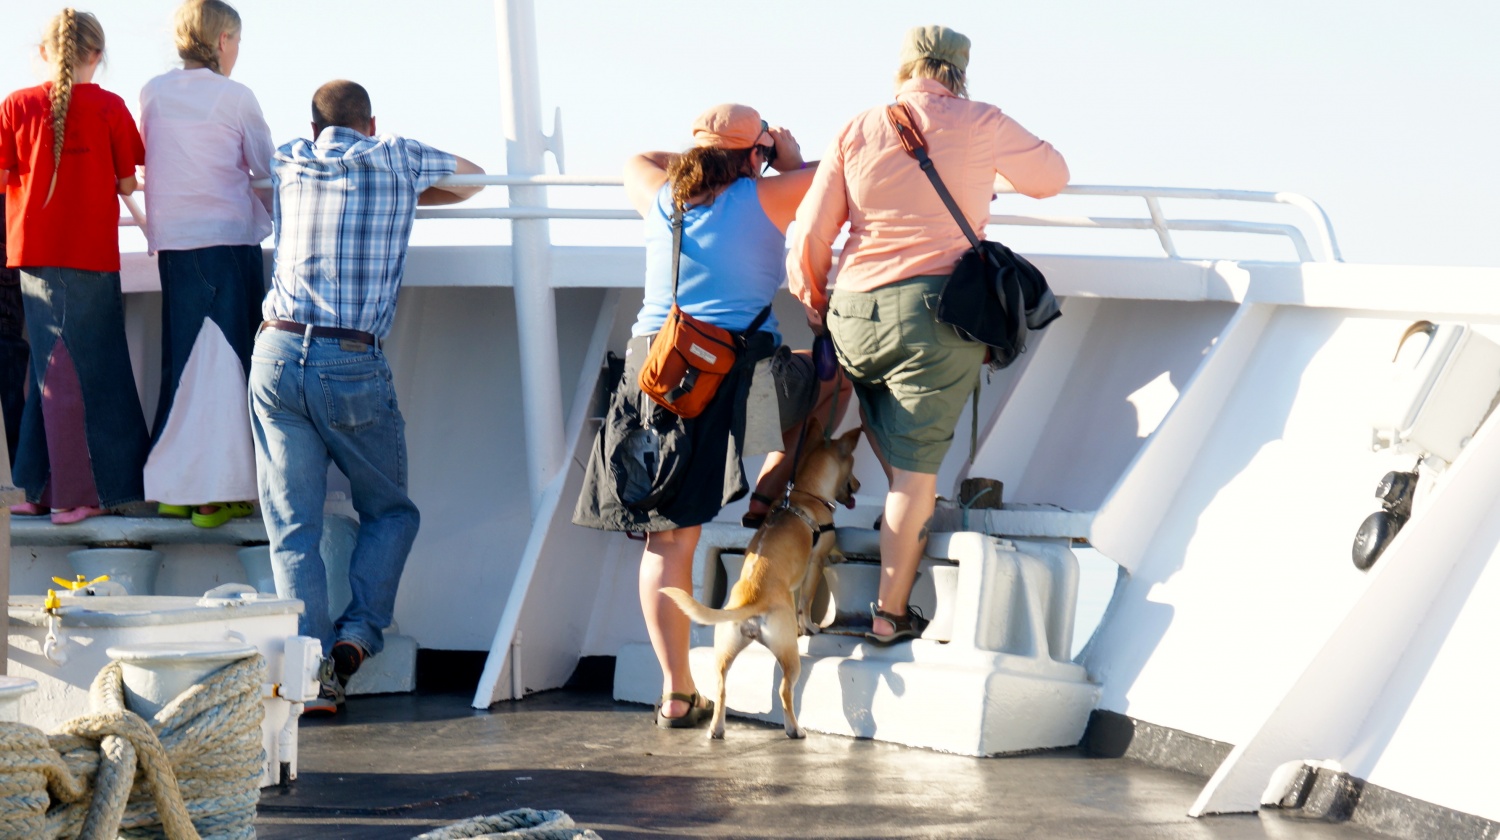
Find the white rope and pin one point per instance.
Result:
(193, 771)
(520, 824)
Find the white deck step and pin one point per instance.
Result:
(392, 671)
(921, 694)
(995, 688)
(133, 530)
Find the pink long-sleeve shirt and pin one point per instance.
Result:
(898, 227)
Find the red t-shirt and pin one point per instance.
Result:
(79, 227)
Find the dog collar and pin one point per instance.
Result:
(826, 503)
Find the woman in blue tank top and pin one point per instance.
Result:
(732, 263)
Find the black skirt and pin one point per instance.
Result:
(650, 470)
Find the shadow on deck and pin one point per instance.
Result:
(394, 766)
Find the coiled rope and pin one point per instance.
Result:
(520, 824)
(193, 771)
(190, 773)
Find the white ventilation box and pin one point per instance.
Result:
(1444, 381)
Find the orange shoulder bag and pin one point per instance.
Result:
(689, 357)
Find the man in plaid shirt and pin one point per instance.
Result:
(320, 388)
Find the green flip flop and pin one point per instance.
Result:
(223, 512)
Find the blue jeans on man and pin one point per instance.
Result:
(313, 400)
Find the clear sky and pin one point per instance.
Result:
(1384, 112)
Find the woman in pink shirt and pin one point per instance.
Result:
(205, 141)
(911, 373)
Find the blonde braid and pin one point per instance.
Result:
(71, 36)
(204, 54)
(64, 52)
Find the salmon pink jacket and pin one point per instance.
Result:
(898, 227)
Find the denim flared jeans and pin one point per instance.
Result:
(313, 400)
(83, 435)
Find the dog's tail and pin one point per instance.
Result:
(704, 615)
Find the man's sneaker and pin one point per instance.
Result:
(347, 657)
(330, 697)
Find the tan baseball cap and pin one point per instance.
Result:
(728, 126)
(937, 42)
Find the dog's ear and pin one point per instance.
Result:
(849, 440)
(814, 428)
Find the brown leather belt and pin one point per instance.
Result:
(322, 332)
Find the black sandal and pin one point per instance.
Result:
(693, 718)
(754, 520)
(908, 626)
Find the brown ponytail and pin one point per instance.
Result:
(705, 169)
(199, 23)
(72, 37)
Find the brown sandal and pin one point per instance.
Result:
(908, 626)
(693, 718)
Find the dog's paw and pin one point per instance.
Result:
(716, 733)
(796, 733)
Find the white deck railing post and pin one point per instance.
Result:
(1159, 222)
(531, 247)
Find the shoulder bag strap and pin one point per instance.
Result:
(676, 247)
(916, 146)
(759, 321)
(677, 225)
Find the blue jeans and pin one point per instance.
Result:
(312, 400)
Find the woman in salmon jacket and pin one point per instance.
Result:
(911, 373)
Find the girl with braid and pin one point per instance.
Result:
(205, 142)
(67, 149)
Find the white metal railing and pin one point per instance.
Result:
(1316, 223)
(1322, 228)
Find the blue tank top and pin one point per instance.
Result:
(733, 261)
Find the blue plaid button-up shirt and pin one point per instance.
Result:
(344, 207)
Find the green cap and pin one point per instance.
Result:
(937, 42)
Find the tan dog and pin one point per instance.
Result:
(783, 565)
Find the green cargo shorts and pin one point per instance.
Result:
(912, 374)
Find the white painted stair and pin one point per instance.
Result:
(1000, 683)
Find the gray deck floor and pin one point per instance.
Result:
(396, 766)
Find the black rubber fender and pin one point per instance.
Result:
(1374, 534)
